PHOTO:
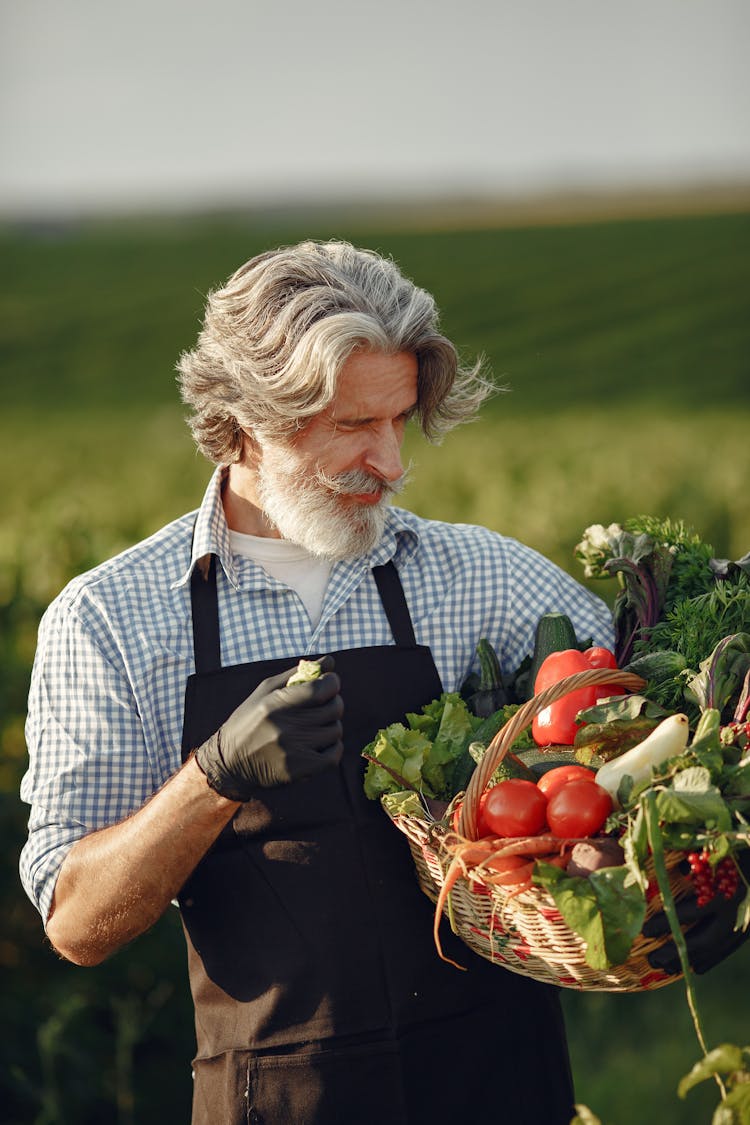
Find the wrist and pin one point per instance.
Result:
(204, 767)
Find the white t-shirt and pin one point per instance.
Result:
(290, 564)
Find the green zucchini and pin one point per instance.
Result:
(539, 761)
(489, 695)
(512, 765)
(554, 633)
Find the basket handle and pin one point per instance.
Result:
(501, 743)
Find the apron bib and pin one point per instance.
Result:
(318, 992)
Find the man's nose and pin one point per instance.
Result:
(383, 454)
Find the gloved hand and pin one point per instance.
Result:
(279, 734)
(710, 936)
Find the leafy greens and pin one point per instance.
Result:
(421, 753)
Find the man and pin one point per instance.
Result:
(169, 760)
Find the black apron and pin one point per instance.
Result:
(319, 996)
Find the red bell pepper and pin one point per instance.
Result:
(599, 657)
(557, 723)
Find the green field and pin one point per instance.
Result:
(625, 347)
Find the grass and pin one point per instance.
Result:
(611, 312)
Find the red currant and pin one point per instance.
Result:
(727, 879)
(702, 876)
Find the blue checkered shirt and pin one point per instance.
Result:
(116, 648)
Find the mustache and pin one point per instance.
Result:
(358, 480)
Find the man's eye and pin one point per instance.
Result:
(367, 424)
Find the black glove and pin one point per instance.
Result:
(279, 734)
(710, 936)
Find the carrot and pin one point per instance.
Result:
(502, 863)
(497, 875)
(510, 877)
(455, 869)
(532, 845)
(471, 851)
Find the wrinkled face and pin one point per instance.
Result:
(328, 489)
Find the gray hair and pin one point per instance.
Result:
(276, 336)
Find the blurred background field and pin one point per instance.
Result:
(624, 346)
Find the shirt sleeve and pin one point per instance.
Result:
(537, 586)
(88, 765)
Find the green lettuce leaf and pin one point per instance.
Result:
(401, 749)
(456, 726)
(404, 803)
(421, 754)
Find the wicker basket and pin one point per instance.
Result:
(525, 932)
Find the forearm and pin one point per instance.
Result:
(115, 883)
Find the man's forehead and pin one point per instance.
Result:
(375, 384)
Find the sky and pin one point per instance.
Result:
(159, 104)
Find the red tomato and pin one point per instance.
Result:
(551, 781)
(514, 808)
(599, 657)
(482, 829)
(578, 808)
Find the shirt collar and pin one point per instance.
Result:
(399, 540)
(211, 536)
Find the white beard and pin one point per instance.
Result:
(305, 505)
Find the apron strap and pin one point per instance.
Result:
(205, 602)
(394, 603)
